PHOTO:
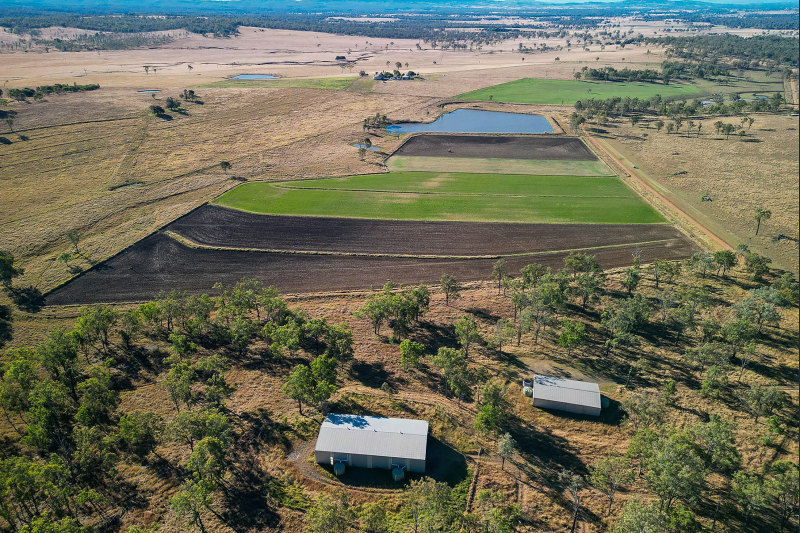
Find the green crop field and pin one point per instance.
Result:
(567, 92)
(449, 196)
(308, 83)
(496, 165)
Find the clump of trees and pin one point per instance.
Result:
(23, 93)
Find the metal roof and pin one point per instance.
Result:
(566, 391)
(372, 435)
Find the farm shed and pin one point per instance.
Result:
(372, 442)
(579, 397)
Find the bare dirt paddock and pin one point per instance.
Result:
(498, 146)
(343, 262)
(215, 226)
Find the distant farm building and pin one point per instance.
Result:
(579, 397)
(395, 444)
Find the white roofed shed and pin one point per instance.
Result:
(579, 397)
(372, 442)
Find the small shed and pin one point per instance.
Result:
(581, 397)
(397, 444)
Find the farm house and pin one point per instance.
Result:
(579, 397)
(395, 444)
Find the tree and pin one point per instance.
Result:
(494, 513)
(225, 166)
(453, 366)
(207, 462)
(725, 260)
(94, 324)
(191, 426)
(631, 278)
(786, 488)
(7, 269)
(573, 334)
(506, 447)
(410, 353)
(426, 503)
(499, 272)
(589, 286)
(638, 517)
(573, 483)
(312, 384)
(669, 392)
(373, 518)
(701, 263)
(504, 332)
(139, 431)
(491, 409)
(191, 500)
(608, 473)
(180, 378)
(760, 215)
(757, 265)
(467, 332)
(717, 444)
(751, 492)
(450, 287)
(172, 103)
(156, 110)
(97, 397)
(675, 471)
(761, 401)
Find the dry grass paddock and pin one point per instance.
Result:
(739, 174)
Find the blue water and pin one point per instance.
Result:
(149, 91)
(476, 121)
(254, 77)
(371, 148)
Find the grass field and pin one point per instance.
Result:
(496, 165)
(567, 92)
(450, 196)
(336, 84)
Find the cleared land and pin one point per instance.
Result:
(497, 146)
(567, 92)
(450, 196)
(739, 175)
(160, 263)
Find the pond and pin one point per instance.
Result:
(254, 77)
(476, 121)
(371, 148)
(149, 91)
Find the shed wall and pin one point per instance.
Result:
(569, 407)
(369, 461)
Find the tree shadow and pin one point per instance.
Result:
(28, 299)
(370, 374)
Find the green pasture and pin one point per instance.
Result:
(497, 165)
(567, 92)
(449, 196)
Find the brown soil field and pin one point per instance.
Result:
(739, 174)
(212, 225)
(160, 263)
(498, 146)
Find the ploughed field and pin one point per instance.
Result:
(174, 258)
(355, 232)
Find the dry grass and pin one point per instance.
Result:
(740, 174)
(67, 173)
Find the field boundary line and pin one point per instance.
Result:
(385, 191)
(186, 241)
(78, 123)
(671, 206)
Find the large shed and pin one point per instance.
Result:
(372, 442)
(579, 397)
